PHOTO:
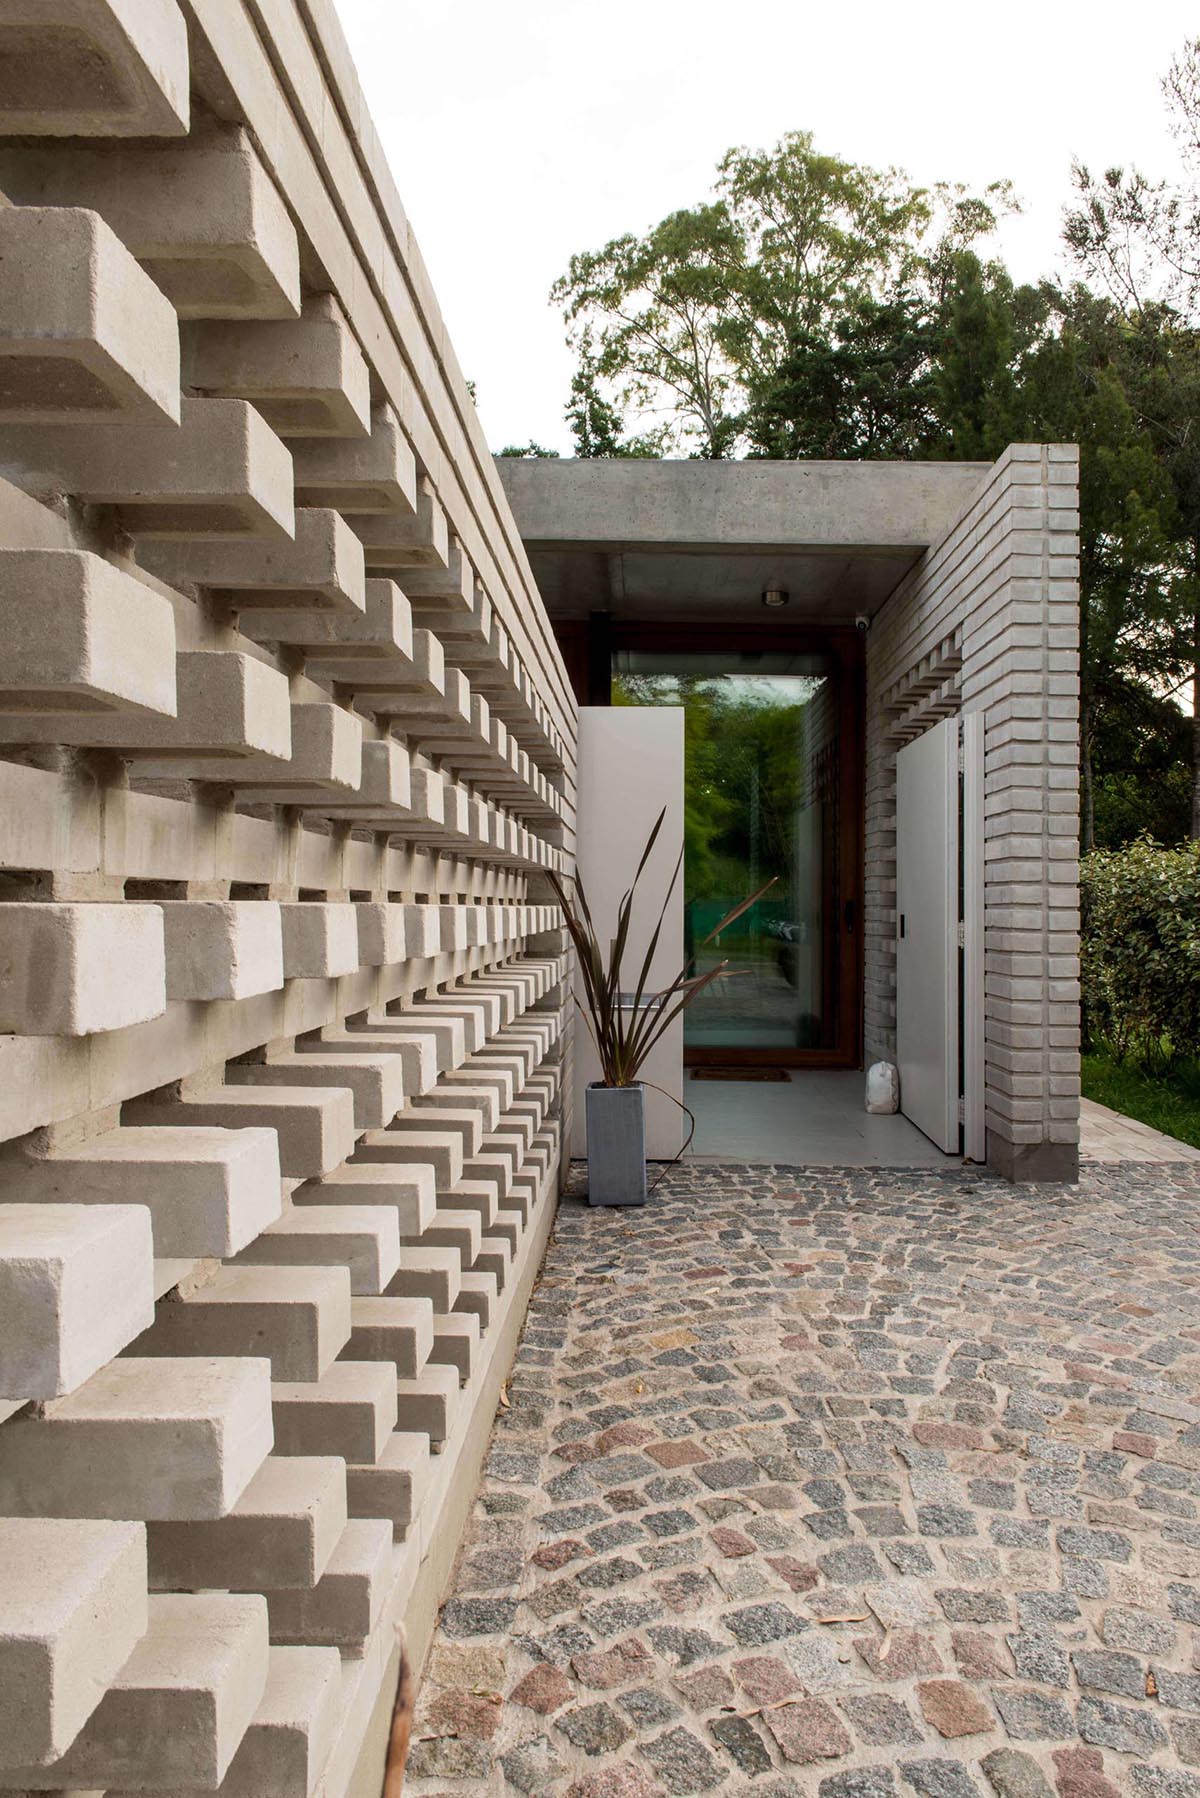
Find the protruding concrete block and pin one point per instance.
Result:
(380, 637)
(93, 68)
(494, 1259)
(442, 1150)
(411, 1190)
(81, 635)
(299, 1317)
(306, 376)
(423, 928)
(443, 594)
(76, 1287)
(395, 1330)
(345, 1605)
(480, 1196)
(85, 336)
(375, 1080)
(426, 1405)
(291, 1735)
(369, 474)
(456, 1341)
(391, 1486)
(72, 1607)
(315, 1125)
(220, 472)
(176, 1712)
(428, 1272)
(70, 970)
(465, 1122)
(475, 1076)
(227, 705)
(222, 950)
(320, 942)
(451, 1009)
(350, 1411)
(479, 1294)
(281, 1532)
(320, 569)
(385, 796)
(381, 939)
(203, 218)
(449, 1032)
(363, 1238)
(207, 1191)
(142, 1439)
(417, 540)
(399, 688)
(465, 1096)
(417, 1050)
(323, 755)
(457, 1230)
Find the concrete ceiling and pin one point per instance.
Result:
(702, 540)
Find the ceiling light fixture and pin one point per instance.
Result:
(776, 596)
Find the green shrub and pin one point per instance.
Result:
(1141, 950)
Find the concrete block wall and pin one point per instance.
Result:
(286, 754)
(988, 622)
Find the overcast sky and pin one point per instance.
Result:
(520, 131)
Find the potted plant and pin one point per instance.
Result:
(625, 1025)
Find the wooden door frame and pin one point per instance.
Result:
(847, 651)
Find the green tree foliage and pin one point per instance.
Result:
(812, 307)
(1140, 972)
(693, 324)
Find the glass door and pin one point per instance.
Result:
(764, 796)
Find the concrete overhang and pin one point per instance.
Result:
(703, 540)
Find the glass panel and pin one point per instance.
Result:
(760, 799)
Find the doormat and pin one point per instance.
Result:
(740, 1074)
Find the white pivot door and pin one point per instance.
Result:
(939, 965)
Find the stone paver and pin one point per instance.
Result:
(841, 1484)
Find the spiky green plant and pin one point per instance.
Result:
(624, 1028)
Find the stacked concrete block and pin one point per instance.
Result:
(278, 1066)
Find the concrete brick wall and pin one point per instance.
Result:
(286, 755)
(988, 622)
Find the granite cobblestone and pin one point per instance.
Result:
(840, 1484)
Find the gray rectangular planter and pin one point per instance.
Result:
(616, 1145)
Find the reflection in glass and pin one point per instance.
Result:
(760, 799)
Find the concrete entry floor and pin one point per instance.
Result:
(814, 1119)
(840, 1485)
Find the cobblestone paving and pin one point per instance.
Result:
(844, 1484)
